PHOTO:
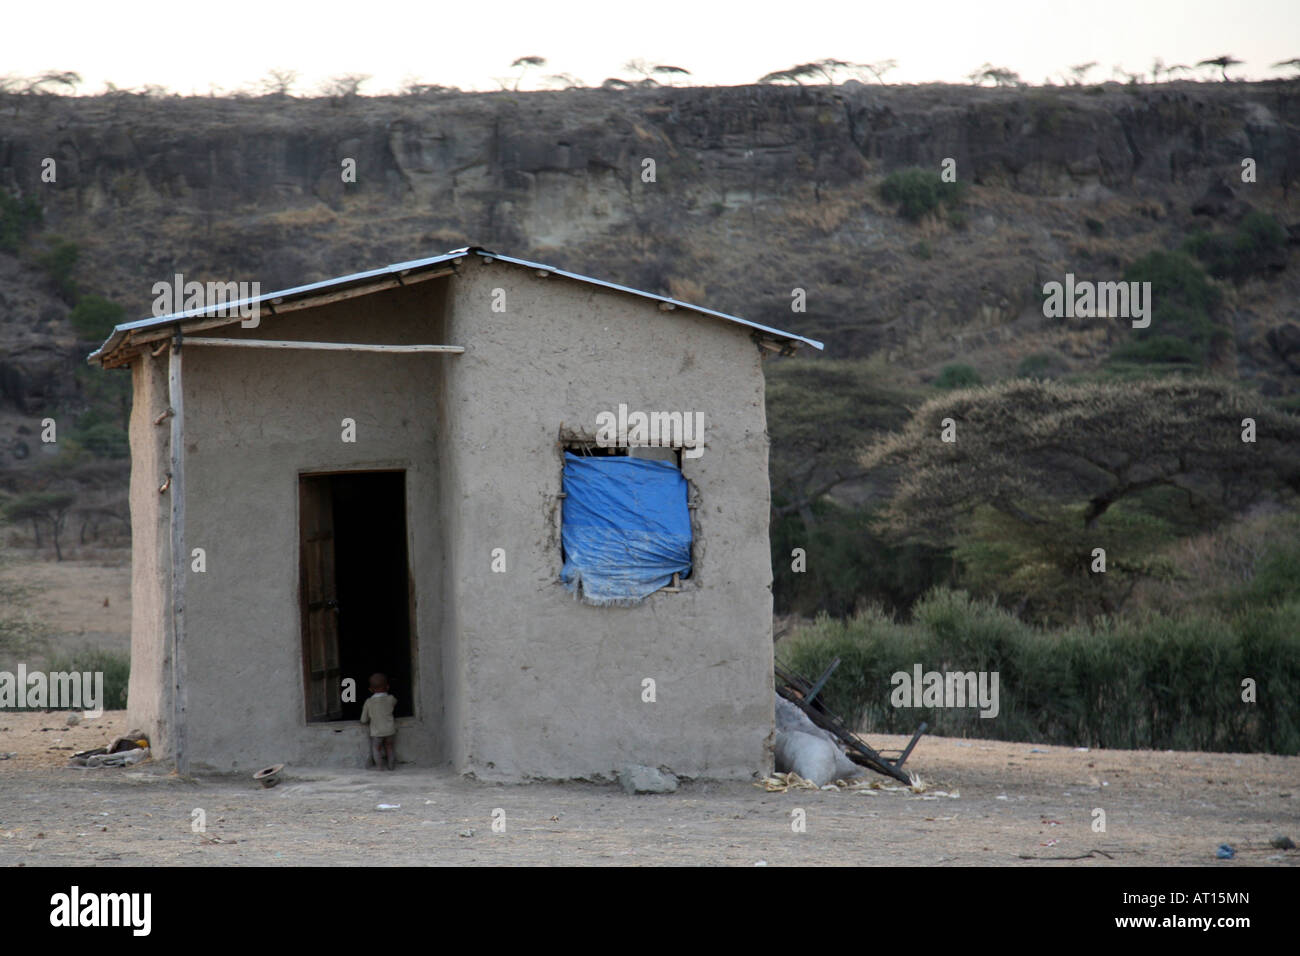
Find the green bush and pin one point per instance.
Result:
(957, 376)
(1275, 581)
(1041, 366)
(99, 430)
(1044, 566)
(1269, 656)
(1158, 349)
(848, 563)
(871, 646)
(1183, 301)
(1149, 682)
(1034, 366)
(94, 317)
(17, 218)
(107, 397)
(115, 667)
(21, 634)
(1243, 253)
(59, 261)
(103, 440)
(1175, 276)
(917, 192)
(819, 412)
(1288, 403)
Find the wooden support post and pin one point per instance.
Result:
(179, 559)
(322, 346)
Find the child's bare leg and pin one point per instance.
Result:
(377, 752)
(390, 752)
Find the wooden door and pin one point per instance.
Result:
(319, 599)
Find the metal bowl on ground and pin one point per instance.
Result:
(270, 776)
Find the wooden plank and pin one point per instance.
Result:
(305, 533)
(318, 599)
(199, 323)
(322, 346)
(179, 558)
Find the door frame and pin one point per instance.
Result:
(413, 630)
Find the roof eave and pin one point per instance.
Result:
(123, 333)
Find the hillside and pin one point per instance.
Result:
(758, 191)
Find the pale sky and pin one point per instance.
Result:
(230, 44)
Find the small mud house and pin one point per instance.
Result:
(537, 501)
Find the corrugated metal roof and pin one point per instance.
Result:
(120, 332)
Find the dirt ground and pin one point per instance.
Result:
(1015, 804)
(78, 603)
(79, 596)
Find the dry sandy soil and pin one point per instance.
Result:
(78, 603)
(1017, 804)
(73, 597)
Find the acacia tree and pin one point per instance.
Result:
(1025, 448)
(999, 75)
(279, 82)
(879, 69)
(1081, 70)
(414, 87)
(647, 71)
(523, 64)
(345, 86)
(564, 81)
(641, 68)
(1048, 570)
(665, 69)
(43, 507)
(67, 80)
(1222, 62)
(818, 412)
(825, 69)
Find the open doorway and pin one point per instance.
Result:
(354, 589)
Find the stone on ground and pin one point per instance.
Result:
(636, 778)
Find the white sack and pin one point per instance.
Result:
(790, 719)
(812, 758)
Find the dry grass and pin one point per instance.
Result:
(300, 217)
(1217, 561)
(826, 216)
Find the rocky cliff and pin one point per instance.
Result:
(756, 191)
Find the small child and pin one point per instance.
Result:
(378, 713)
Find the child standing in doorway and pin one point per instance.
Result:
(378, 713)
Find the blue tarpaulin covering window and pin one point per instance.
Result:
(626, 527)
